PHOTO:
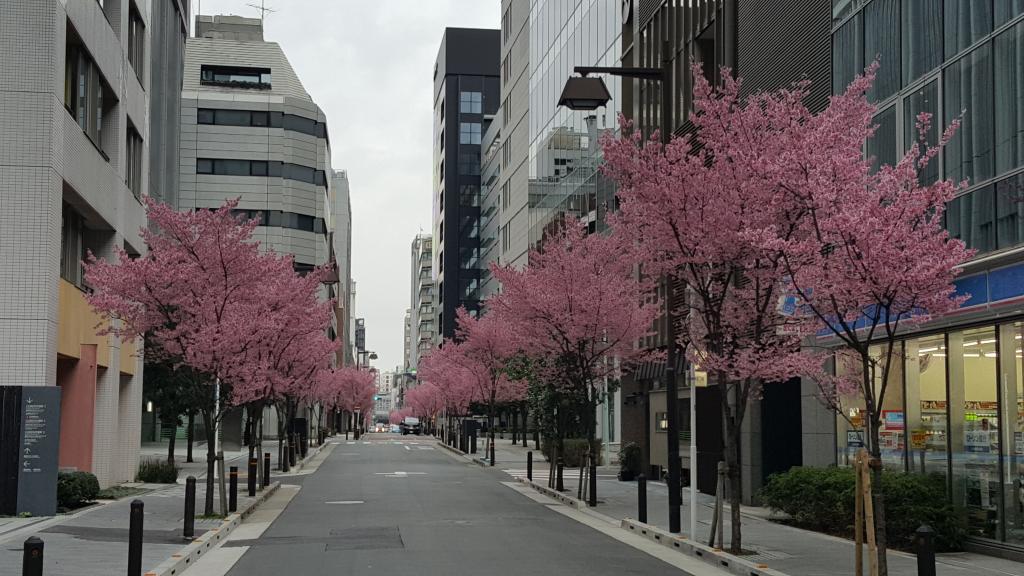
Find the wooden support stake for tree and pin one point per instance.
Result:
(721, 505)
(869, 512)
(858, 522)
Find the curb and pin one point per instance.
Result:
(184, 558)
(452, 449)
(712, 556)
(567, 500)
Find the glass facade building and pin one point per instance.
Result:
(564, 154)
(954, 404)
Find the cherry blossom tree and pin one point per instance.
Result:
(580, 306)
(443, 368)
(870, 256)
(426, 400)
(204, 294)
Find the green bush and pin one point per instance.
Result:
(822, 499)
(157, 472)
(629, 459)
(575, 451)
(75, 489)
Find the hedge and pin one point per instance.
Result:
(822, 499)
(575, 451)
(157, 472)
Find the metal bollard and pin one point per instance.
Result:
(291, 451)
(529, 465)
(560, 481)
(641, 498)
(32, 561)
(925, 545)
(251, 478)
(135, 539)
(233, 489)
(266, 469)
(189, 531)
(472, 444)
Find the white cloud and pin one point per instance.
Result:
(369, 65)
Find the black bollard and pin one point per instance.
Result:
(189, 531)
(135, 539)
(641, 498)
(529, 465)
(291, 451)
(925, 545)
(266, 469)
(233, 489)
(472, 444)
(560, 470)
(492, 451)
(592, 500)
(251, 478)
(32, 561)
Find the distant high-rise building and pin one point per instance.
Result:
(422, 305)
(340, 227)
(466, 88)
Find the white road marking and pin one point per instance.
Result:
(398, 474)
(350, 442)
(407, 448)
(366, 442)
(345, 502)
(425, 447)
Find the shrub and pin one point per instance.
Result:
(822, 499)
(629, 460)
(75, 489)
(157, 472)
(575, 451)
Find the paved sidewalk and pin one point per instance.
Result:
(94, 541)
(790, 550)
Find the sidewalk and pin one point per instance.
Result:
(94, 541)
(789, 550)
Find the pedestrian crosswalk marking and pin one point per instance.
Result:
(425, 447)
(345, 502)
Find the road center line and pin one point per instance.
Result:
(345, 502)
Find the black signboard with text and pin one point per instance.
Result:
(29, 444)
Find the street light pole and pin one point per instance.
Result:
(586, 94)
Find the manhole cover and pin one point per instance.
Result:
(374, 538)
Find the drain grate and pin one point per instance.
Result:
(766, 555)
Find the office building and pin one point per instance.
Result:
(74, 167)
(251, 131)
(490, 204)
(466, 88)
(340, 227)
(422, 326)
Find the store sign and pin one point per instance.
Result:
(978, 441)
(893, 420)
(854, 438)
(919, 439)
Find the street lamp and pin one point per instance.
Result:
(584, 93)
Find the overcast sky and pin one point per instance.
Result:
(369, 65)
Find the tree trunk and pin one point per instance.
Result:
(526, 422)
(190, 435)
(211, 457)
(732, 419)
(170, 445)
(877, 499)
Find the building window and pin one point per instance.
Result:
(470, 102)
(1009, 98)
(469, 164)
(971, 217)
(235, 77)
(136, 40)
(469, 132)
(926, 100)
(133, 161)
(922, 37)
(273, 168)
(882, 41)
(86, 95)
(965, 22)
(469, 195)
(882, 145)
(1010, 212)
(72, 248)
(968, 87)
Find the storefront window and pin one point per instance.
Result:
(1013, 414)
(974, 427)
(852, 429)
(927, 423)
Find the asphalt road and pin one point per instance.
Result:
(401, 505)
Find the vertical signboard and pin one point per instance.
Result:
(29, 449)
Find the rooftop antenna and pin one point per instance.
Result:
(262, 8)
